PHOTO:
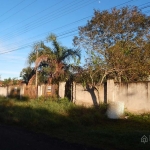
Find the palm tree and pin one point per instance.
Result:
(27, 74)
(53, 61)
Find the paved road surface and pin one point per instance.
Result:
(14, 138)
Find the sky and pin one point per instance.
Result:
(25, 22)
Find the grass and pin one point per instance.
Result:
(88, 126)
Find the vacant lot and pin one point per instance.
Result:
(87, 126)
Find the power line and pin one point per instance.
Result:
(146, 12)
(145, 7)
(89, 16)
(56, 29)
(11, 8)
(122, 4)
(19, 11)
(40, 22)
(7, 36)
(71, 31)
(45, 10)
(144, 3)
(30, 44)
(20, 48)
(33, 15)
(50, 13)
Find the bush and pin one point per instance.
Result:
(64, 100)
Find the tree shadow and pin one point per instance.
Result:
(15, 94)
(68, 88)
(91, 90)
(105, 92)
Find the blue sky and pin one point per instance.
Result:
(25, 22)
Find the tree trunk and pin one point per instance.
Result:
(98, 94)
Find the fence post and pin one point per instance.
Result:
(110, 90)
(62, 89)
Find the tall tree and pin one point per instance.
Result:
(117, 42)
(52, 62)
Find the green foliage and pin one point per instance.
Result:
(52, 63)
(64, 101)
(26, 74)
(9, 81)
(14, 81)
(138, 117)
(117, 43)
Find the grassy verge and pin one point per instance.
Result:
(88, 126)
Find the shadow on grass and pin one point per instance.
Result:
(87, 126)
(19, 98)
(88, 117)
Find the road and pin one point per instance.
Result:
(15, 138)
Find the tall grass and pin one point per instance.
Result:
(89, 126)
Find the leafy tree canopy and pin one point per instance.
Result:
(26, 74)
(117, 43)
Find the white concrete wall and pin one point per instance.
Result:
(136, 96)
(82, 96)
(3, 91)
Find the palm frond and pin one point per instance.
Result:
(57, 48)
(70, 53)
(42, 49)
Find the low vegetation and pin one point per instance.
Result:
(89, 126)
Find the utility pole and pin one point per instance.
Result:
(36, 75)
